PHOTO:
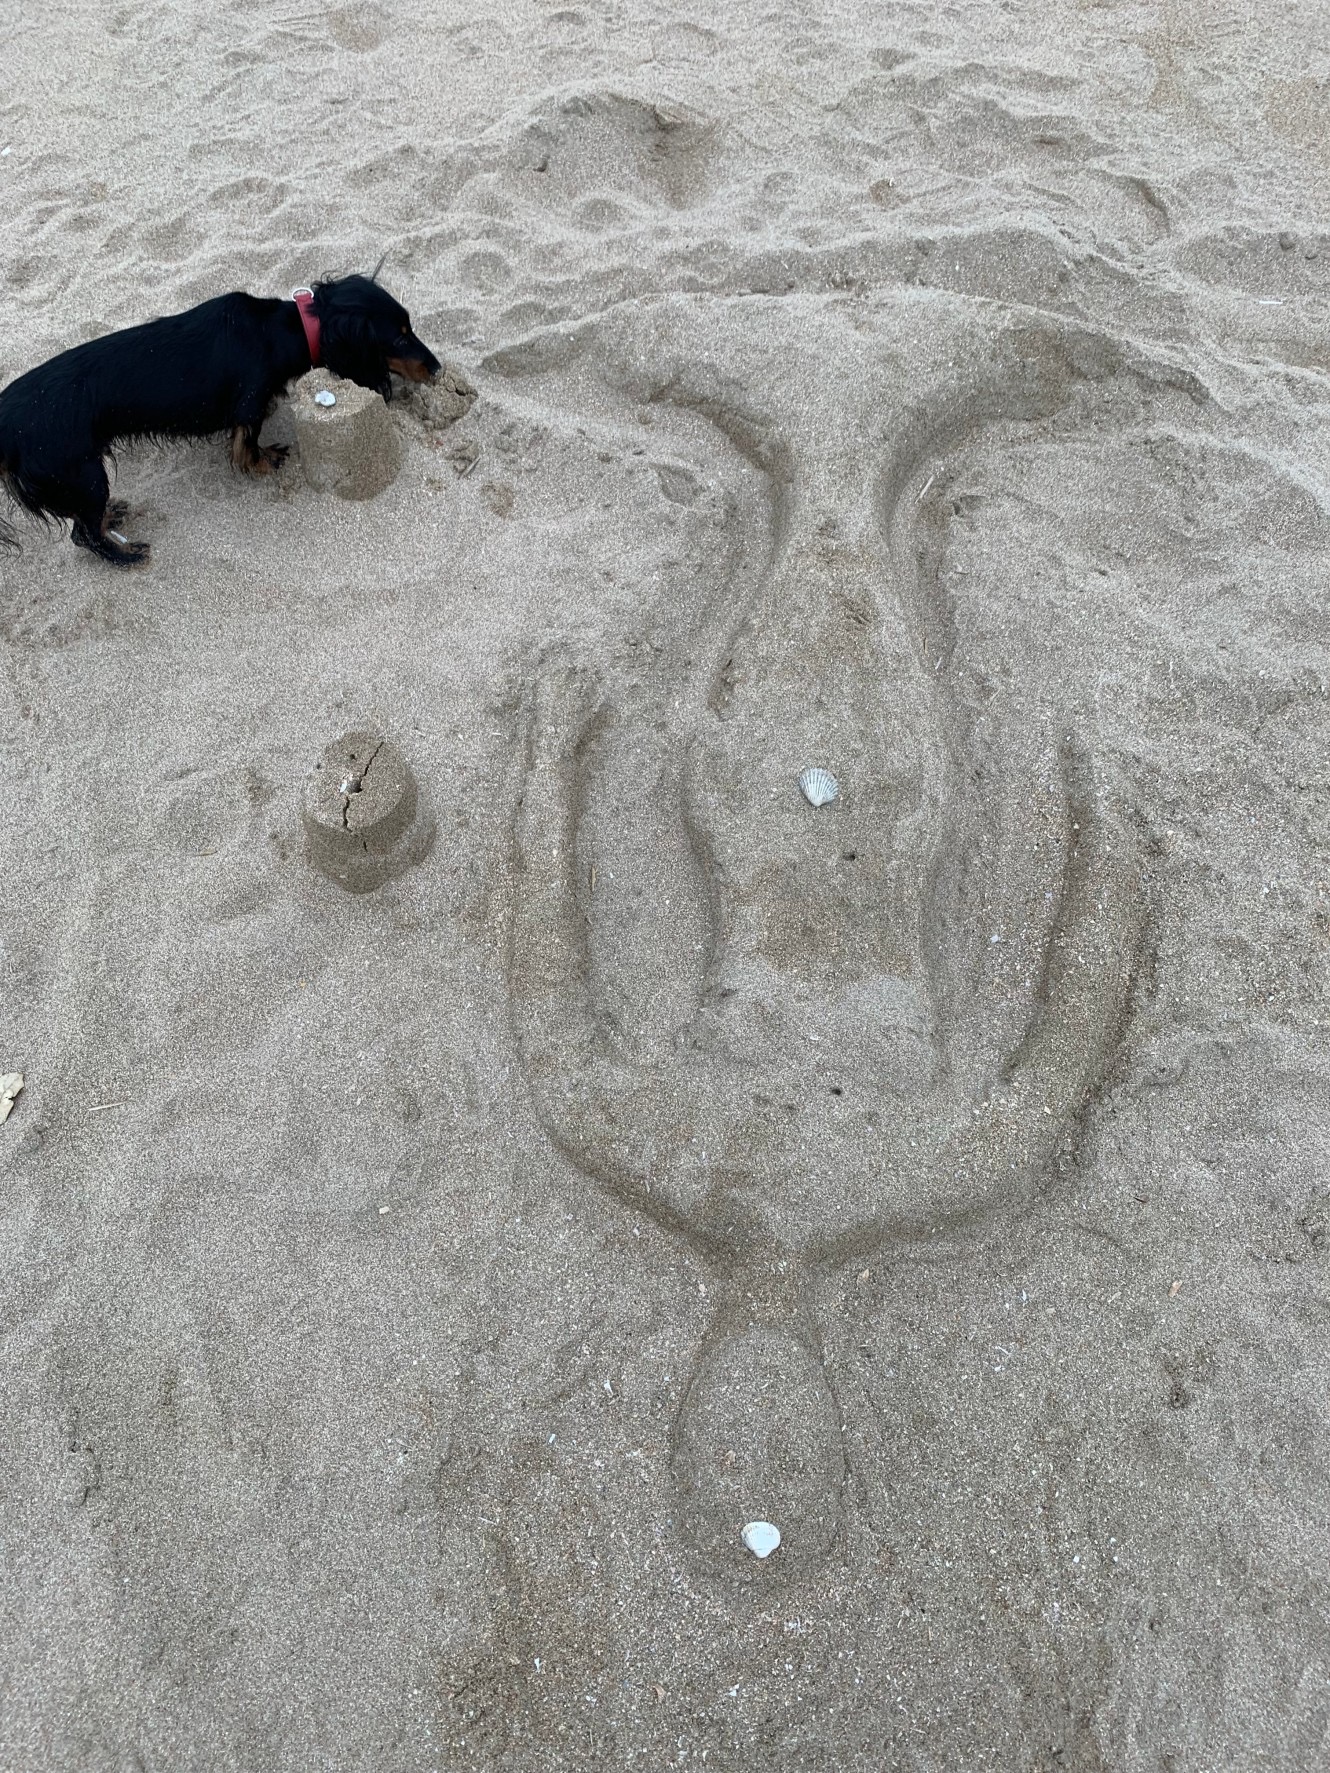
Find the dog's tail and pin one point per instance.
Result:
(8, 534)
(18, 496)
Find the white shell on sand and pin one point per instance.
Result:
(11, 1082)
(818, 787)
(761, 1538)
(325, 397)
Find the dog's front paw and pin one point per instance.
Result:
(272, 457)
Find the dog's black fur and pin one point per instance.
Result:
(218, 367)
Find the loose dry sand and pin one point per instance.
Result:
(407, 1296)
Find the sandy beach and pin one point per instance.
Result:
(407, 1296)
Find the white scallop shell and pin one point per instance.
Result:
(11, 1082)
(761, 1538)
(325, 397)
(819, 787)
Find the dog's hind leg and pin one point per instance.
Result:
(83, 494)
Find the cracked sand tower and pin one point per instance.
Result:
(363, 814)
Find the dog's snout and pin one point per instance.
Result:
(415, 369)
(414, 360)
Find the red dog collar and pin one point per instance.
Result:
(304, 301)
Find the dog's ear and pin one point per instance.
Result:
(353, 348)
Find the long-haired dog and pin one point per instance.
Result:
(217, 367)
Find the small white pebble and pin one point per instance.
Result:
(325, 397)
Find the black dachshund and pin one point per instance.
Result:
(218, 367)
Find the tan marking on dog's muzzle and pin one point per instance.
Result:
(411, 369)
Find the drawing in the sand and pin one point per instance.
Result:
(883, 1016)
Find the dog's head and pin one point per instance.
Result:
(366, 335)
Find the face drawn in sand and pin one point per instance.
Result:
(835, 1058)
